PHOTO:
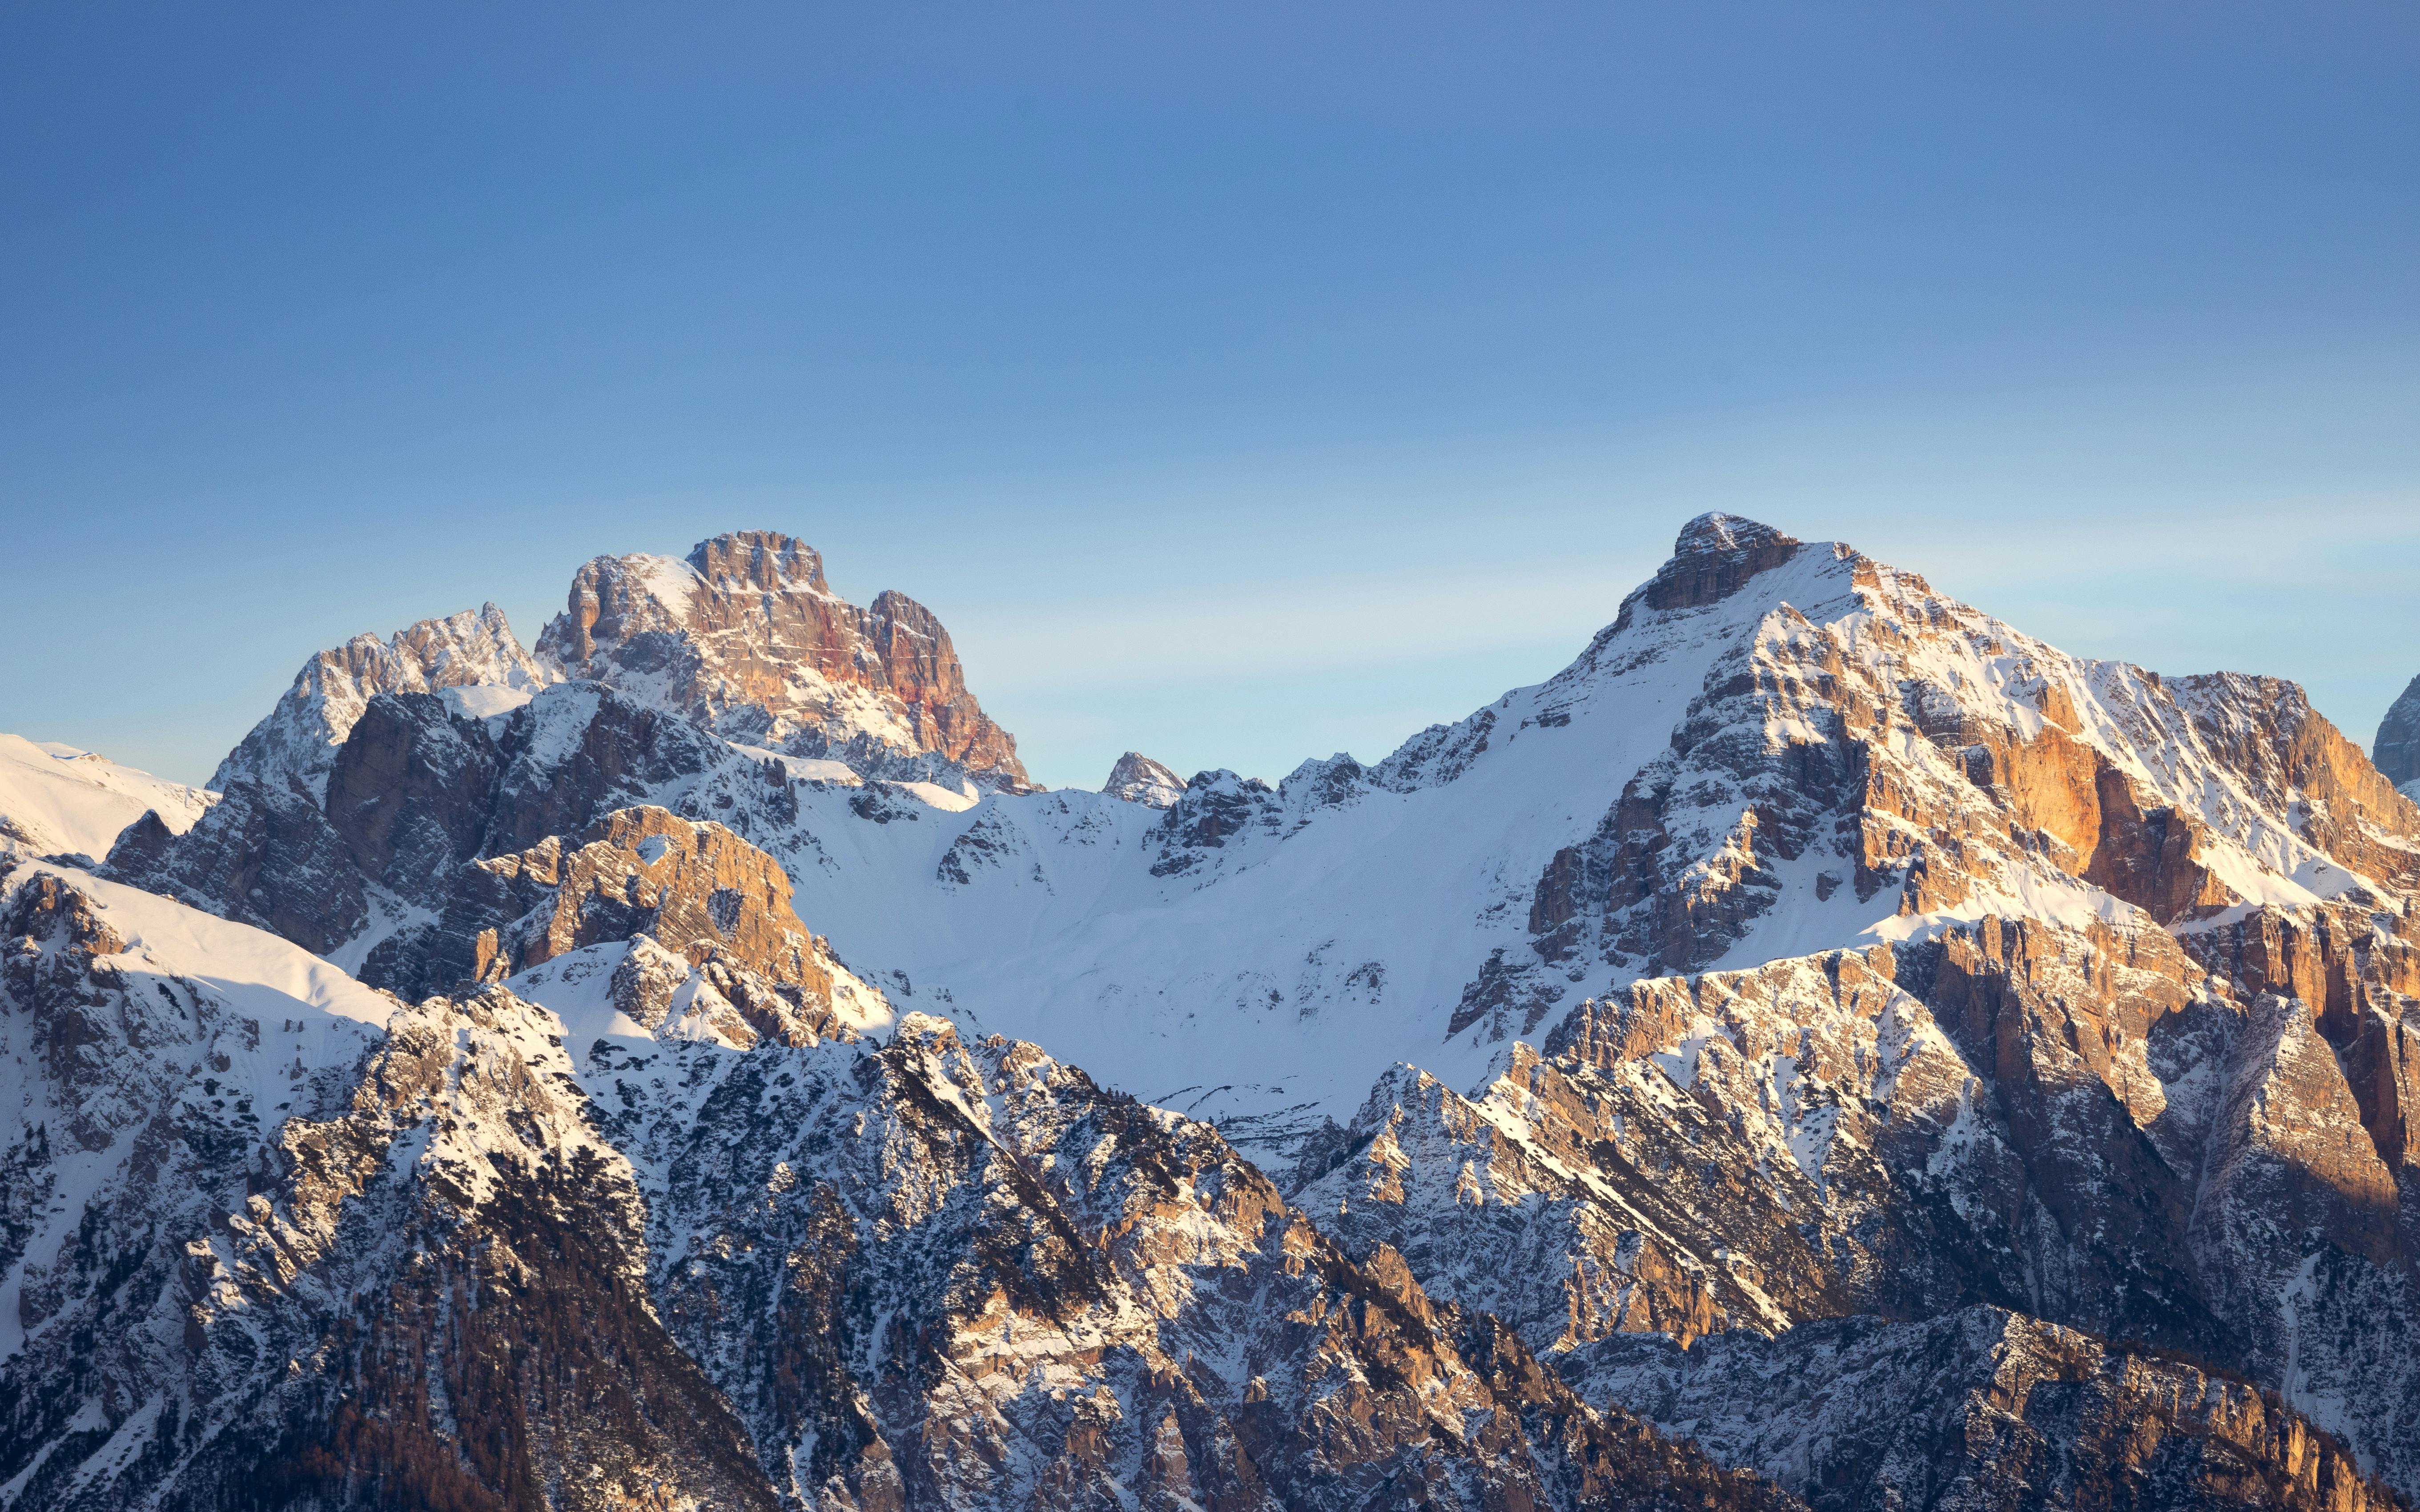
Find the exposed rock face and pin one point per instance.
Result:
(1980, 1408)
(416, 790)
(714, 911)
(747, 638)
(271, 852)
(265, 855)
(299, 739)
(1137, 778)
(2396, 750)
(2095, 1126)
(1213, 810)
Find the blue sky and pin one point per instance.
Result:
(1240, 383)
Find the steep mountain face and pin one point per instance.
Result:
(747, 638)
(1137, 778)
(2396, 750)
(297, 743)
(416, 788)
(2095, 1127)
(268, 852)
(58, 800)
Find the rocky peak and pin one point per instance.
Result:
(747, 638)
(1714, 554)
(299, 739)
(1137, 778)
(1847, 737)
(765, 562)
(2396, 750)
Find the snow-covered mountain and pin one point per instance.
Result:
(1815, 975)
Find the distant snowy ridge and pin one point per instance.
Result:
(58, 799)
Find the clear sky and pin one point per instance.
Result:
(1239, 382)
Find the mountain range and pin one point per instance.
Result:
(1823, 1047)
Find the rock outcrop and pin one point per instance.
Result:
(416, 790)
(714, 911)
(1982, 1408)
(746, 637)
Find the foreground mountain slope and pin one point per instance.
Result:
(651, 1224)
(1857, 1412)
(2200, 1144)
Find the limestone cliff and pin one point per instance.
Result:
(746, 636)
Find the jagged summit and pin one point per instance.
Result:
(1714, 533)
(1713, 556)
(746, 637)
(299, 738)
(762, 560)
(2396, 750)
(1137, 778)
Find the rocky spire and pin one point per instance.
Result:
(1137, 778)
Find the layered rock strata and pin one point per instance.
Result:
(746, 637)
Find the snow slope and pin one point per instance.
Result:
(58, 799)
